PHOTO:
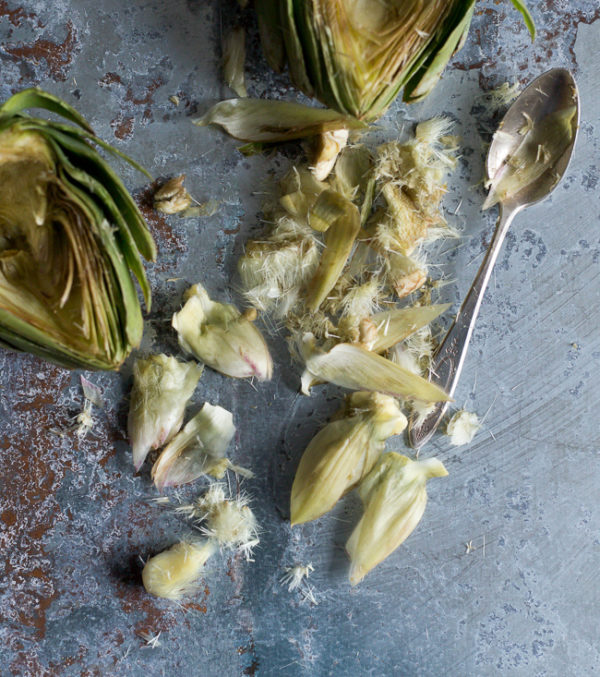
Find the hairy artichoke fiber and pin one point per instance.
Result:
(70, 237)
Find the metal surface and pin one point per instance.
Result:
(548, 93)
(501, 575)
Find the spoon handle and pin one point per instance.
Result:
(449, 358)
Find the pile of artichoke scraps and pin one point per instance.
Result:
(342, 268)
(343, 271)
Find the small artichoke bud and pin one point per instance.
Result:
(162, 387)
(198, 449)
(221, 337)
(172, 197)
(394, 498)
(173, 572)
(343, 452)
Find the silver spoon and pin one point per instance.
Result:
(528, 156)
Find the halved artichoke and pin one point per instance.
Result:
(357, 55)
(70, 237)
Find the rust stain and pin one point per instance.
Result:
(250, 649)
(111, 78)
(58, 56)
(31, 470)
(470, 66)
(92, 672)
(146, 98)
(156, 620)
(252, 668)
(32, 612)
(195, 606)
(15, 16)
(66, 662)
(107, 456)
(122, 126)
(8, 517)
(27, 663)
(232, 231)
(231, 572)
(45, 396)
(566, 23)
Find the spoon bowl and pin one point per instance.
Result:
(547, 95)
(528, 156)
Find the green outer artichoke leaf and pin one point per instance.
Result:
(124, 215)
(293, 45)
(313, 60)
(73, 142)
(271, 38)
(38, 98)
(439, 53)
(522, 7)
(128, 303)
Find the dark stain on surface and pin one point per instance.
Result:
(15, 16)
(147, 95)
(8, 517)
(57, 55)
(250, 649)
(27, 663)
(111, 78)
(232, 231)
(31, 470)
(566, 25)
(122, 126)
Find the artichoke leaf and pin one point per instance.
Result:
(75, 144)
(120, 217)
(527, 18)
(257, 120)
(234, 56)
(38, 98)
(339, 242)
(294, 48)
(439, 53)
(395, 325)
(269, 28)
(352, 366)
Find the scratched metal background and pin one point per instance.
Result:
(75, 521)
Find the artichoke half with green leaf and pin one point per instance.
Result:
(70, 237)
(356, 56)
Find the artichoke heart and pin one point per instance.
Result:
(70, 235)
